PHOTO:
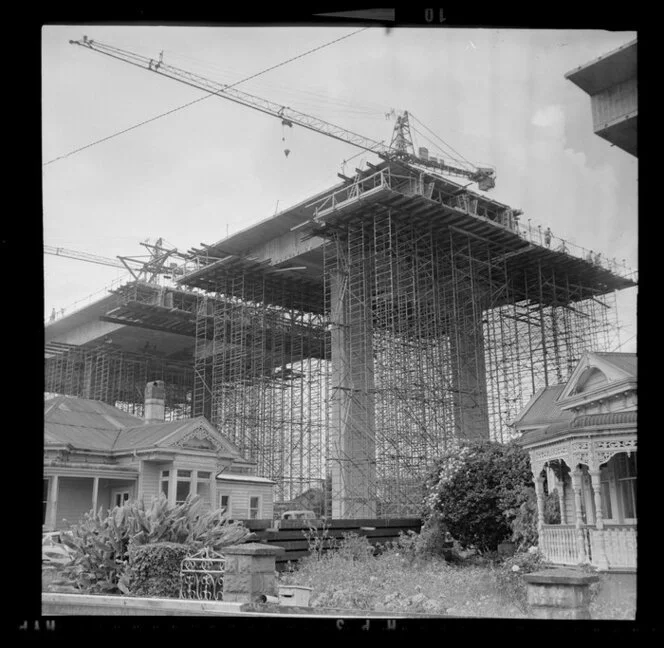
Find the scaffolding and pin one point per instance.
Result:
(266, 373)
(434, 319)
(117, 377)
(438, 336)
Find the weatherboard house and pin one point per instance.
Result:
(97, 456)
(581, 437)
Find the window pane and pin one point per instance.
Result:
(253, 507)
(184, 473)
(628, 490)
(203, 475)
(165, 473)
(164, 487)
(606, 501)
(203, 489)
(45, 501)
(182, 491)
(225, 503)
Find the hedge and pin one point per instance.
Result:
(154, 569)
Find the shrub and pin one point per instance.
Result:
(354, 547)
(101, 542)
(509, 575)
(319, 540)
(433, 541)
(477, 490)
(524, 522)
(154, 569)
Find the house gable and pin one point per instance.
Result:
(199, 434)
(595, 378)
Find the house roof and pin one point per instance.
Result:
(93, 425)
(543, 408)
(80, 422)
(578, 424)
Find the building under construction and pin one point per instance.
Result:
(346, 342)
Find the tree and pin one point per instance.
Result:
(477, 491)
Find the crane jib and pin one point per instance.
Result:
(485, 177)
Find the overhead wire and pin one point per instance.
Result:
(366, 106)
(195, 101)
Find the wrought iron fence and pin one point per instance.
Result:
(202, 576)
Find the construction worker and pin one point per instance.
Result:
(590, 256)
(547, 237)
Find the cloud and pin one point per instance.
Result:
(549, 117)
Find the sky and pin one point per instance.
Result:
(497, 97)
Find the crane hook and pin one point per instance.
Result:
(286, 152)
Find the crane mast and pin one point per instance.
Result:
(398, 150)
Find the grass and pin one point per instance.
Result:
(394, 582)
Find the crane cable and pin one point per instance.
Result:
(191, 103)
(442, 140)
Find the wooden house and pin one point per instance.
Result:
(582, 440)
(97, 456)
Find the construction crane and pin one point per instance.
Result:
(140, 269)
(400, 149)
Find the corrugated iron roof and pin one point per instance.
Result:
(609, 418)
(93, 425)
(543, 408)
(78, 436)
(148, 434)
(579, 423)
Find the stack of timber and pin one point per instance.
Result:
(292, 534)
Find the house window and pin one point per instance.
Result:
(254, 507)
(164, 482)
(203, 485)
(44, 501)
(225, 503)
(119, 497)
(626, 476)
(183, 486)
(605, 489)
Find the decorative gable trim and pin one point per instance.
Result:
(570, 397)
(204, 437)
(200, 438)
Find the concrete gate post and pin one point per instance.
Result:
(559, 593)
(250, 571)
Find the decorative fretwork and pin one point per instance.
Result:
(202, 576)
(201, 434)
(604, 449)
(591, 452)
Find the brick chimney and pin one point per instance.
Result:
(155, 401)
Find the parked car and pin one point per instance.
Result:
(54, 552)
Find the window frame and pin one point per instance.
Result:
(228, 495)
(184, 479)
(164, 478)
(257, 509)
(627, 479)
(121, 491)
(47, 491)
